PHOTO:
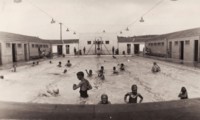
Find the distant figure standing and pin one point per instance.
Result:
(98, 52)
(104, 99)
(183, 94)
(33, 64)
(155, 68)
(124, 53)
(84, 50)
(75, 51)
(133, 96)
(80, 52)
(49, 54)
(117, 51)
(43, 53)
(168, 53)
(68, 64)
(40, 52)
(84, 85)
(145, 51)
(113, 50)
(14, 68)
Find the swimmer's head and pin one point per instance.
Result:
(134, 88)
(154, 63)
(90, 71)
(114, 68)
(104, 98)
(122, 64)
(183, 89)
(102, 68)
(68, 61)
(80, 75)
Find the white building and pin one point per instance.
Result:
(65, 47)
(16, 47)
(131, 45)
(106, 43)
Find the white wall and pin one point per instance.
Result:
(142, 45)
(123, 46)
(188, 49)
(7, 51)
(71, 51)
(54, 49)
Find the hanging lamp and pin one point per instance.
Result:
(141, 20)
(52, 21)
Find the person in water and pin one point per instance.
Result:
(104, 99)
(59, 64)
(68, 64)
(133, 96)
(122, 67)
(101, 73)
(89, 73)
(84, 85)
(155, 68)
(115, 71)
(183, 94)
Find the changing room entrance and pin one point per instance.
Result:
(182, 50)
(14, 52)
(196, 47)
(67, 49)
(136, 48)
(60, 49)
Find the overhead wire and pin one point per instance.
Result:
(145, 13)
(74, 31)
(50, 16)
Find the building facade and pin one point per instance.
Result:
(181, 45)
(66, 47)
(15, 47)
(132, 45)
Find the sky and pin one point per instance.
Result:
(33, 17)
